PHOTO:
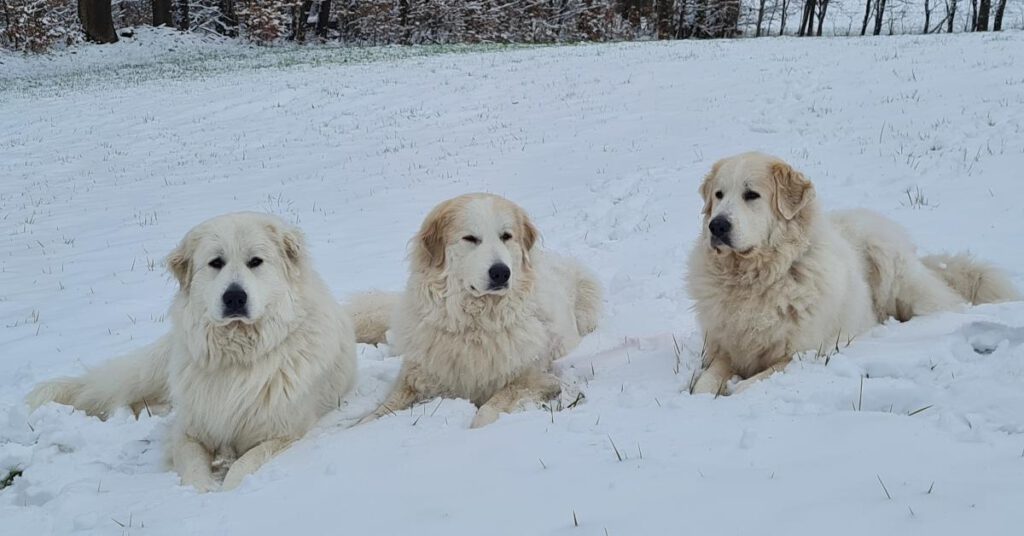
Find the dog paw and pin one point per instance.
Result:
(709, 384)
(202, 485)
(484, 416)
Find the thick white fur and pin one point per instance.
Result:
(240, 388)
(458, 340)
(794, 279)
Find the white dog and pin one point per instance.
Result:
(258, 351)
(484, 313)
(772, 276)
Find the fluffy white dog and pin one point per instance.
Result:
(258, 351)
(484, 313)
(771, 275)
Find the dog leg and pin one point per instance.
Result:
(712, 379)
(193, 462)
(251, 461)
(743, 385)
(533, 386)
(402, 396)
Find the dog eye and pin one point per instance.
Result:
(217, 263)
(254, 262)
(750, 195)
(471, 239)
(718, 194)
(505, 237)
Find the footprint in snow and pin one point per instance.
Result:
(986, 337)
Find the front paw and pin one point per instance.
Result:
(202, 485)
(709, 384)
(233, 479)
(484, 416)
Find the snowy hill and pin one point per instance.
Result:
(913, 428)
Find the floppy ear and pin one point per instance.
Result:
(706, 187)
(792, 190)
(179, 261)
(292, 243)
(429, 243)
(528, 233)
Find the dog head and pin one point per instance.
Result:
(748, 198)
(480, 242)
(238, 268)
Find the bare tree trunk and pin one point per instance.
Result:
(664, 14)
(162, 13)
(951, 14)
(997, 25)
(760, 16)
(184, 24)
(927, 16)
(807, 20)
(785, 15)
(984, 6)
(867, 15)
(97, 20)
(323, 18)
(822, 9)
(974, 15)
(300, 16)
(879, 16)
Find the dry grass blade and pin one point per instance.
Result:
(885, 489)
(916, 411)
(860, 397)
(618, 454)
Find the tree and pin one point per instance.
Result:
(879, 16)
(997, 26)
(184, 21)
(783, 17)
(97, 20)
(807, 20)
(323, 18)
(950, 15)
(927, 16)
(664, 14)
(984, 6)
(162, 13)
(867, 16)
(822, 9)
(760, 16)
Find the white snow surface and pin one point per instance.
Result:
(914, 428)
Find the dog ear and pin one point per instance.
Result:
(529, 231)
(792, 190)
(528, 234)
(429, 243)
(707, 186)
(292, 243)
(179, 261)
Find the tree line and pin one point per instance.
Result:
(37, 25)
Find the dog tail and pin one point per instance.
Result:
(135, 380)
(976, 281)
(588, 301)
(371, 314)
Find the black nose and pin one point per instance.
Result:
(499, 274)
(234, 299)
(720, 227)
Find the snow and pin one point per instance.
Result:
(605, 146)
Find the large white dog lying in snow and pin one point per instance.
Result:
(484, 313)
(771, 275)
(258, 351)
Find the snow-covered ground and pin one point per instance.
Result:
(913, 428)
